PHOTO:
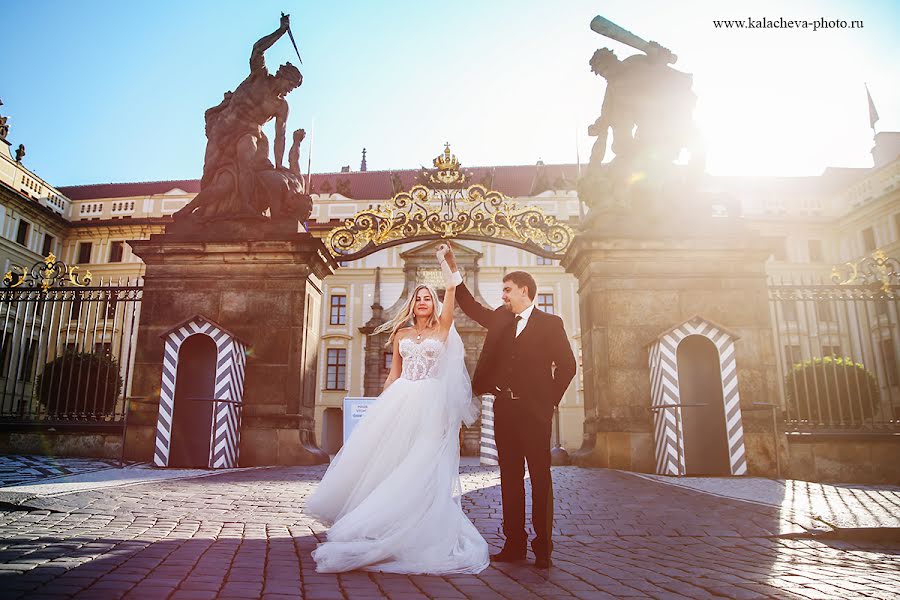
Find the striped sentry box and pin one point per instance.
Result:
(488, 443)
(667, 424)
(231, 353)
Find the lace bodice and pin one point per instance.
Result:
(419, 359)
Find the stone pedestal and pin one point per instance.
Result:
(263, 281)
(640, 273)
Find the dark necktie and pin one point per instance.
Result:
(516, 326)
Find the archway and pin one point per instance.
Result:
(441, 206)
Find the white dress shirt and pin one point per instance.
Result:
(523, 321)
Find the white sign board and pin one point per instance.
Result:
(354, 410)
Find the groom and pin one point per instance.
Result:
(527, 364)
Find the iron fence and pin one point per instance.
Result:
(66, 346)
(838, 345)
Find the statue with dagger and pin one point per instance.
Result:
(239, 178)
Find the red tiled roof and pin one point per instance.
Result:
(514, 181)
(97, 191)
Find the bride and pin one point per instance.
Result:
(392, 494)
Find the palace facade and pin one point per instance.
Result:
(814, 222)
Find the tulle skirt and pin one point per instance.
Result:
(392, 494)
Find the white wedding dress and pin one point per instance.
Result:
(392, 494)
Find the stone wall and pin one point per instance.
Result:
(83, 444)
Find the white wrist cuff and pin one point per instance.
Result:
(450, 277)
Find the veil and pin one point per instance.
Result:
(452, 373)
(462, 406)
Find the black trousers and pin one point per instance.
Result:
(522, 436)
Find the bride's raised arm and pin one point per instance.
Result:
(452, 278)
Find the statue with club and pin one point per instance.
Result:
(239, 179)
(648, 108)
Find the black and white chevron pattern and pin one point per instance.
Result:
(668, 433)
(226, 425)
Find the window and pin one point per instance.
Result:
(75, 306)
(541, 261)
(869, 239)
(789, 310)
(831, 351)
(792, 355)
(388, 360)
(336, 369)
(780, 248)
(48, 245)
(111, 307)
(84, 252)
(116, 250)
(4, 355)
(545, 303)
(890, 361)
(815, 251)
(338, 310)
(26, 369)
(104, 348)
(824, 311)
(22, 234)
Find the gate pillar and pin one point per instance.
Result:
(641, 271)
(263, 283)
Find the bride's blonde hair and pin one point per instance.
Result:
(408, 313)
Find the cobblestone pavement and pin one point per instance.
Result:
(21, 469)
(846, 506)
(243, 535)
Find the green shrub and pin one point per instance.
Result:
(843, 390)
(80, 383)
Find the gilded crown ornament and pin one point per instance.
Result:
(447, 167)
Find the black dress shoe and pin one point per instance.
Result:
(543, 562)
(508, 555)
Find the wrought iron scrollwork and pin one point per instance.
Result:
(879, 268)
(46, 274)
(473, 212)
(446, 209)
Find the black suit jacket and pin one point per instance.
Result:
(541, 345)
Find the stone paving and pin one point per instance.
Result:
(243, 535)
(20, 469)
(845, 506)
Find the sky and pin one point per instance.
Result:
(102, 91)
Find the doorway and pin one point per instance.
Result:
(703, 407)
(192, 415)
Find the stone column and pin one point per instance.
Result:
(641, 272)
(263, 282)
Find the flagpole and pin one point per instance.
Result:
(873, 112)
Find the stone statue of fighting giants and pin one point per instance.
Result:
(239, 180)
